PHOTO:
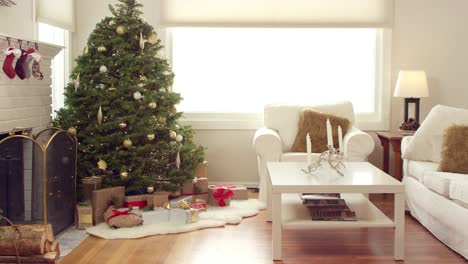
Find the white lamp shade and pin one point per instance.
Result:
(411, 84)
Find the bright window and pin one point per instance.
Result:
(60, 63)
(239, 70)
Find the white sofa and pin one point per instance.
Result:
(438, 200)
(273, 142)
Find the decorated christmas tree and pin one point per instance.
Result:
(122, 108)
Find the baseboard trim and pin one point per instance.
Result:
(246, 184)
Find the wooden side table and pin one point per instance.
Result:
(394, 139)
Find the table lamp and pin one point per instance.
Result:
(411, 85)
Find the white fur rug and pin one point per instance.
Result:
(213, 217)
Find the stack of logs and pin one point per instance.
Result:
(32, 243)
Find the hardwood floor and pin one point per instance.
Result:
(250, 242)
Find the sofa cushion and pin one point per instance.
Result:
(417, 169)
(459, 190)
(284, 118)
(455, 150)
(314, 123)
(426, 144)
(440, 181)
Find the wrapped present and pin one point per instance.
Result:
(199, 205)
(239, 192)
(122, 218)
(101, 199)
(201, 171)
(157, 199)
(181, 202)
(84, 217)
(201, 185)
(180, 216)
(90, 184)
(187, 187)
(219, 195)
(157, 216)
(200, 197)
(136, 200)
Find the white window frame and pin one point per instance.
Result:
(379, 120)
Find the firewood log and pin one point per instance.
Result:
(30, 239)
(49, 257)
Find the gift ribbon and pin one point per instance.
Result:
(140, 204)
(119, 213)
(229, 186)
(221, 195)
(198, 206)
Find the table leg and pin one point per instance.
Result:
(399, 219)
(277, 222)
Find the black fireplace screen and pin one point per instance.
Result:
(38, 178)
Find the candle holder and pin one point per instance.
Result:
(334, 158)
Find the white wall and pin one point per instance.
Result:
(17, 20)
(428, 34)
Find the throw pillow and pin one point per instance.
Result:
(455, 150)
(426, 144)
(314, 123)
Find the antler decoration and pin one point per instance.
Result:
(334, 158)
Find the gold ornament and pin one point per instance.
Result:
(86, 49)
(77, 82)
(172, 135)
(150, 137)
(112, 88)
(102, 48)
(153, 38)
(123, 175)
(177, 161)
(127, 143)
(142, 42)
(102, 165)
(161, 120)
(122, 125)
(150, 189)
(121, 30)
(72, 131)
(99, 116)
(152, 105)
(143, 78)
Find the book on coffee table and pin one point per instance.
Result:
(330, 207)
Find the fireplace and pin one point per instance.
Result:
(38, 177)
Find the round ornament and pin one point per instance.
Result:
(161, 120)
(103, 69)
(120, 30)
(102, 165)
(127, 143)
(101, 86)
(72, 131)
(152, 105)
(101, 48)
(140, 85)
(172, 135)
(122, 125)
(179, 138)
(153, 38)
(143, 78)
(137, 95)
(150, 137)
(112, 22)
(123, 175)
(150, 189)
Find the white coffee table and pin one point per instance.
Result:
(285, 208)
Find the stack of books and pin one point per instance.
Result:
(327, 207)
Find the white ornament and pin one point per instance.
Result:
(150, 189)
(162, 90)
(142, 42)
(112, 22)
(179, 138)
(177, 161)
(137, 95)
(140, 85)
(77, 82)
(101, 86)
(103, 69)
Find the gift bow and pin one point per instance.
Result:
(221, 195)
(183, 205)
(118, 213)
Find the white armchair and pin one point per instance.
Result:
(273, 142)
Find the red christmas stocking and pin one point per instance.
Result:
(8, 63)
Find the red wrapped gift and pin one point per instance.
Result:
(239, 191)
(219, 196)
(139, 201)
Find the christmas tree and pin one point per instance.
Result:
(122, 109)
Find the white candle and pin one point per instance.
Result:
(309, 149)
(329, 134)
(340, 139)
